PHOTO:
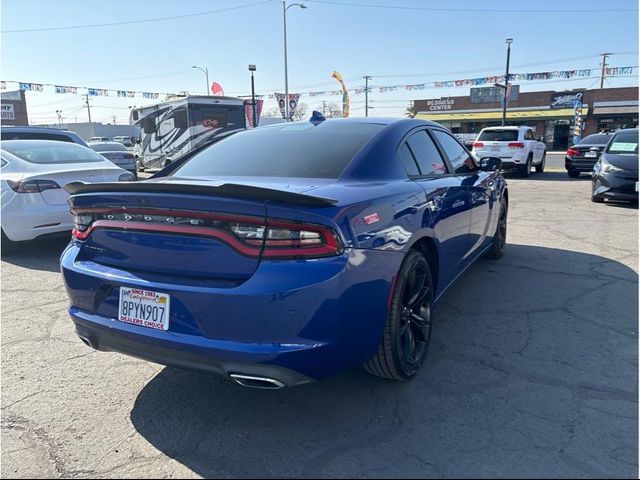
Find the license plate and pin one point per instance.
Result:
(144, 307)
(495, 149)
(591, 154)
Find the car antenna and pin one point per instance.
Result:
(317, 117)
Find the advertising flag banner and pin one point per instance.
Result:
(63, 89)
(248, 110)
(577, 119)
(216, 89)
(345, 94)
(293, 104)
(98, 92)
(34, 87)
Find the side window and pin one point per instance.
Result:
(408, 161)
(426, 154)
(460, 159)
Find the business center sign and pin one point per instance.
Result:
(8, 112)
(439, 104)
(565, 99)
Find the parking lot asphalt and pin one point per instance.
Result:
(533, 372)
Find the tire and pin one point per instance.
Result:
(525, 171)
(407, 330)
(540, 167)
(596, 199)
(500, 237)
(7, 245)
(573, 173)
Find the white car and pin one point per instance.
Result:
(517, 147)
(33, 174)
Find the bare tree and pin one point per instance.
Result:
(300, 112)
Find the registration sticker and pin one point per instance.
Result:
(144, 307)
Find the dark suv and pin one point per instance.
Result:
(40, 133)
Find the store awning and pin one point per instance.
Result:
(497, 115)
(616, 110)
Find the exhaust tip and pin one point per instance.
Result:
(257, 382)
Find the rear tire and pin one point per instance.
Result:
(7, 245)
(407, 331)
(573, 174)
(500, 237)
(540, 167)
(526, 169)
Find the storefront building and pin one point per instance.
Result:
(14, 108)
(553, 115)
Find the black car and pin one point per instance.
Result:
(40, 133)
(584, 155)
(615, 175)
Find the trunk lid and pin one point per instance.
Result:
(167, 229)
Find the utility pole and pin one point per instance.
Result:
(366, 94)
(604, 66)
(252, 68)
(86, 97)
(509, 41)
(114, 119)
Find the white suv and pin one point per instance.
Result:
(517, 147)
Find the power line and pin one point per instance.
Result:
(469, 10)
(129, 22)
(491, 69)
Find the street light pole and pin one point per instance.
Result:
(206, 73)
(506, 83)
(286, 73)
(252, 68)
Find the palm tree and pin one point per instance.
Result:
(411, 110)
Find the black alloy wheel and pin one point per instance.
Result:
(407, 331)
(500, 238)
(526, 169)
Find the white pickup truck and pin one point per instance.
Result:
(517, 147)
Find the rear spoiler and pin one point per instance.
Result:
(224, 190)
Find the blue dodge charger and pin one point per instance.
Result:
(285, 254)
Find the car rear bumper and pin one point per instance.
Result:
(579, 165)
(179, 352)
(24, 220)
(298, 320)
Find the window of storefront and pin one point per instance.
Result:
(616, 123)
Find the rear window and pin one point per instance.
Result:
(498, 136)
(288, 150)
(35, 136)
(47, 153)
(597, 139)
(624, 142)
(109, 147)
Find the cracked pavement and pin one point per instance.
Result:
(532, 372)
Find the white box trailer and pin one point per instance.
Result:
(174, 127)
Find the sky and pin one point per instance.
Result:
(415, 41)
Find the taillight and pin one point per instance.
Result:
(515, 145)
(573, 153)
(292, 240)
(254, 237)
(478, 144)
(32, 186)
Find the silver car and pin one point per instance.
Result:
(117, 153)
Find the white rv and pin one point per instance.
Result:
(180, 124)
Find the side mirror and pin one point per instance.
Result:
(490, 164)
